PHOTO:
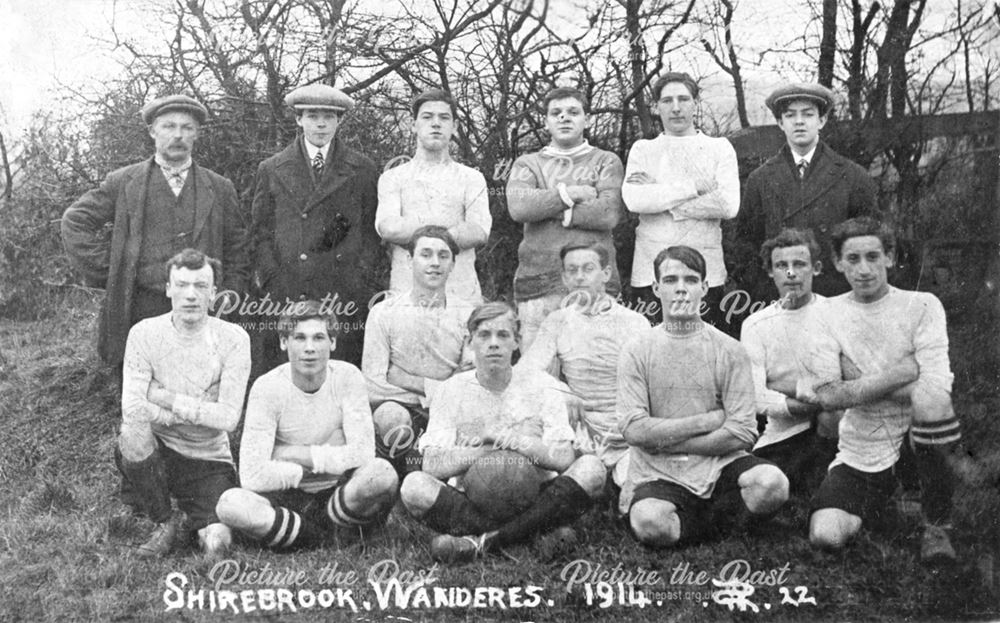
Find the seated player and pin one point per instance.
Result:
(307, 456)
(183, 382)
(882, 355)
(685, 401)
(497, 407)
(581, 341)
(800, 438)
(414, 340)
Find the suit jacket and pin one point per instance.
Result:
(313, 240)
(102, 234)
(833, 190)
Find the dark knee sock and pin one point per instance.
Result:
(144, 485)
(932, 445)
(341, 515)
(290, 530)
(562, 502)
(451, 512)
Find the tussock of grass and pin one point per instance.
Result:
(66, 542)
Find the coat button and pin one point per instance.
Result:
(305, 216)
(303, 257)
(338, 256)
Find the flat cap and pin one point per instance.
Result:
(321, 96)
(818, 93)
(174, 103)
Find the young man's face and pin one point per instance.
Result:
(432, 263)
(308, 346)
(174, 134)
(801, 123)
(792, 271)
(582, 272)
(565, 121)
(676, 108)
(319, 125)
(866, 265)
(190, 292)
(434, 126)
(494, 342)
(680, 290)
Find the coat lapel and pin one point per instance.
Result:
(204, 199)
(824, 173)
(293, 172)
(135, 204)
(339, 170)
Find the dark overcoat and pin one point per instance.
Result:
(102, 234)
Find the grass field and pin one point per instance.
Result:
(66, 541)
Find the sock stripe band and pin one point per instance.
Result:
(339, 514)
(286, 528)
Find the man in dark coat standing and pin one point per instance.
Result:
(806, 185)
(121, 234)
(314, 228)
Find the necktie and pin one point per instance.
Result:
(803, 165)
(175, 177)
(318, 164)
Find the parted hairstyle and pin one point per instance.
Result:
(675, 76)
(685, 255)
(433, 95)
(789, 237)
(861, 226)
(193, 259)
(300, 311)
(433, 231)
(489, 311)
(559, 93)
(599, 249)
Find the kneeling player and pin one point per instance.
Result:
(478, 411)
(686, 406)
(307, 459)
(800, 438)
(883, 356)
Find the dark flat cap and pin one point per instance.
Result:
(818, 93)
(321, 96)
(174, 103)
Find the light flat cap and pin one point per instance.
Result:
(174, 103)
(818, 93)
(322, 96)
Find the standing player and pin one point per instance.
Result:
(800, 438)
(478, 411)
(581, 342)
(567, 193)
(307, 458)
(413, 341)
(184, 378)
(883, 356)
(685, 400)
(433, 189)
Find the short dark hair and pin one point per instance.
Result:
(602, 252)
(559, 93)
(433, 231)
(675, 76)
(193, 259)
(861, 226)
(433, 95)
(685, 255)
(300, 311)
(489, 311)
(789, 237)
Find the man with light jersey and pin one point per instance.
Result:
(307, 456)
(183, 382)
(800, 438)
(686, 409)
(413, 341)
(580, 343)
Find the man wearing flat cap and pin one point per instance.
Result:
(806, 185)
(121, 234)
(314, 227)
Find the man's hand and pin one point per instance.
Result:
(575, 409)
(705, 185)
(715, 419)
(805, 391)
(848, 371)
(579, 194)
(640, 177)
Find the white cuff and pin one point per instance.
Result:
(564, 194)
(185, 407)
